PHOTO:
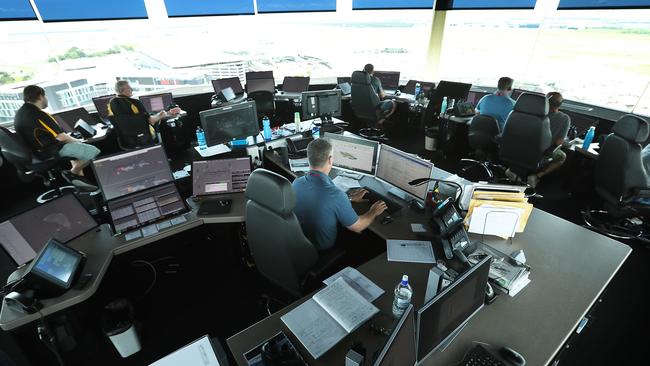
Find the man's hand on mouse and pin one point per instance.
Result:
(357, 196)
(377, 208)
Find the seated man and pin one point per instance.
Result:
(124, 104)
(498, 105)
(559, 123)
(43, 134)
(321, 205)
(386, 107)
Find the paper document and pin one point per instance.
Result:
(414, 251)
(324, 320)
(299, 165)
(198, 353)
(418, 228)
(345, 183)
(499, 221)
(357, 281)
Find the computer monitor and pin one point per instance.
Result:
(234, 83)
(343, 79)
(295, 84)
(229, 123)
(144, 207)
(54, 269)
(251, 75)
(353, 153)
(400, 345)
(439, 319)
(157, 102)
(399, 168)
(451, 90)
(132, 171)
(68, 119)
(323, 103)
(260, 84)
(63, 218)
(425, 86)
(389, 79)
(220, 176)
(101, 105)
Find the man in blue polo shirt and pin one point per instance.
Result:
(321, 205)
(498, 105)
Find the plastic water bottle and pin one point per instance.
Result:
(266, 125)
(417, 89)
(315, 132)
(403, 293)
(589, 137)
(200, 138)
(443, 106)
(296, 121)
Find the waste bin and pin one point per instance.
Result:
(431, 138)
(118, 325)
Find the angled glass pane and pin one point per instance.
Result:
(184, 8)
(16, 10)
(71, 10)
(391, 4)
(284, 6)
(603, 4)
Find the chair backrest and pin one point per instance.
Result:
(526, 135)
(132, 131)
(364, 99)
(619, 167)
(483, 130)
(264, 102)
(14, 149)
(281, 251)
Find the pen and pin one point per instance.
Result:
(412, 245)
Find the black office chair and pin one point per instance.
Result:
(133, 131)
(620, 180)
(482, 135)
(29, 166)
(526, 137)
(365, 105)
(282, 253)
(264, 103)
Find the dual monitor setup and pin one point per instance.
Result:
(431, 328)
(386, 163)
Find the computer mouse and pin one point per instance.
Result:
(397, 92)
(512, 356)
(386, 220)
(224, 203)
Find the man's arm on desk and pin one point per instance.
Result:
(366, 219)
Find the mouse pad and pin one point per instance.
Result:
(213, 207)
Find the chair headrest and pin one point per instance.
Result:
(532, 104)
(632, 128)
(272, 191)
(360, 77)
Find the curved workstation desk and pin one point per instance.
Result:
(571, 267)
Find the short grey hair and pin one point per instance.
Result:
(318, 152)
(119, 86)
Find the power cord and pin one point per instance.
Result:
(48, 338)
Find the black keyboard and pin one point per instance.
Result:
(392, 205)
(479, 356)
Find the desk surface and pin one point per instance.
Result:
(100, 246)
(566, 281)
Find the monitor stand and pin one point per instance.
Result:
(213, 150)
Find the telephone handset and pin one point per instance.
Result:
(450, 226)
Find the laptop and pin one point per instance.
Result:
(213, 180)
(346, 88)
(139, 190)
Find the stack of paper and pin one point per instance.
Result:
(498, 213)
(506, 274)
(324, 320)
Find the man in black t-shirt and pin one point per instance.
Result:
(124, 104)
(42, 133)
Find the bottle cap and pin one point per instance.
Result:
(405, 280)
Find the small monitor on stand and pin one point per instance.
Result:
(230, 124)
(323, 104)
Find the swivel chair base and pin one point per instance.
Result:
(54, 193)
(485, 165)
(623, 229)
(372, 133)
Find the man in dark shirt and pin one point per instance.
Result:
(386, 107)
(43, 134)
(560, 123)
(124, 104)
